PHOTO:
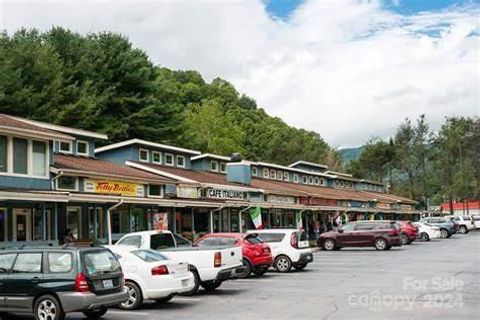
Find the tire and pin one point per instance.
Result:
(463, 230)
(260, 271)
(404, 239)
(196, 281)
(444, 234)
(300, 267)
(381, 244)
(211, 285)
(135, 297)
(96, 313)
(48, 307)
(248, 268)
(165, 299)
(329, 245)
(283, 264)
(424, 236)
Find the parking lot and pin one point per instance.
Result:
(438, 279)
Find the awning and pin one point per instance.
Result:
(41, 196)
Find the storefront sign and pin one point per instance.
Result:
(280, 199)
(170, 190)
(255, 197)
(187, 192)
(357, 204)
(214, 193)
(114, 187)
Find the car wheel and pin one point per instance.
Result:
(95, 313)
(381, 244)
(248, 268)
(47, 307)
(404, 239)
(329, 245)
(424, 236)
(463, 230)
(444, 233)
(300, 267)
(260, 271)
(165, 299)
(211, 285)
(196, 281)
(283, 264)
(135, 298)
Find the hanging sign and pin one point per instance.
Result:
(114, 187)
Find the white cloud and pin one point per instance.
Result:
(345, 68)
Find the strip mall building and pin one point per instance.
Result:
(53, 179)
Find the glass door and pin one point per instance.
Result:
(3, 224)
(22, 229)
(41, 224)
(74, 221)
(97, 224)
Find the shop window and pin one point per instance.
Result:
(41, 222)
(82, 148)
(3, 224)
(169, 159)
(156, 157)
(295, 178)
(286, 176)
(223, 167)
(181, 161)
(254, 171)
(39, 158)
(266, 173)
(20, 156)
(67, 183)
(214, 166)
(65, 146)
(74, 221)
(143, 155)
(3, 154)
(273, 174)
(154, 190)
(97, 223)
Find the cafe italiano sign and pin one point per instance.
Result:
(114, 187)
(216, 193)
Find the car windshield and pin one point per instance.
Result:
(99, 262)
(149, 255)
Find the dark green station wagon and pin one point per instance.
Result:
(51, 281)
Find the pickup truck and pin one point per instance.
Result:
(210, 266)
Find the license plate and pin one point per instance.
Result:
(107, 284)
(184, 283)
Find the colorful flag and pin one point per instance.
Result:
(256, 215)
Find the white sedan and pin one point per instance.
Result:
(427, 231)
(150, 275)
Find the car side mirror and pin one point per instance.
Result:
(340, 230)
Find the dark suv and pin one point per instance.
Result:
(49, 282)
(383, 235)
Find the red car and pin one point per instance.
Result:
(257, 256)
(408, 232)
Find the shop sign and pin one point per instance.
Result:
(357, 204)
(323, 202)
(170, 190)
(114, 187)
(215, 193)
(383, 205)
(280, 199)
(255, 197)
(187, 192)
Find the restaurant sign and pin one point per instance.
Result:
(187, 192)
(280, 199)
(215, 193)
(114, 187)
(318, 201)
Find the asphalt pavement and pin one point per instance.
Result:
(439, 279)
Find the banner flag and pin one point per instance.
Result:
(256, 215)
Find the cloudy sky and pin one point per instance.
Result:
(348, 69)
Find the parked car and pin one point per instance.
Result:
(476, 221)
(447, 226)
(210, 266)
(257, 256)
(426, 232)
(52, 281)
(383, 235)
(465, 223)
(289, 248)
(149, 275)
(408, 232)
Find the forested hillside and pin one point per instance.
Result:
(101, 82)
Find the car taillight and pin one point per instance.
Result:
(81, 283)
(159, 270)
(266, 250)
(294, 241)
(217, 261)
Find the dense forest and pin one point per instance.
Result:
(101, 82)
(429, 166)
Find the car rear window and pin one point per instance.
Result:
(209, 242)
(161, 241)
(301, 236)
(476, 218)
(272, 237)
(149, 255)
(227, 241)
(253, 239)
(99, 262)
(59, 262)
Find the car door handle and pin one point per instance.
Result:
(35, 279)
